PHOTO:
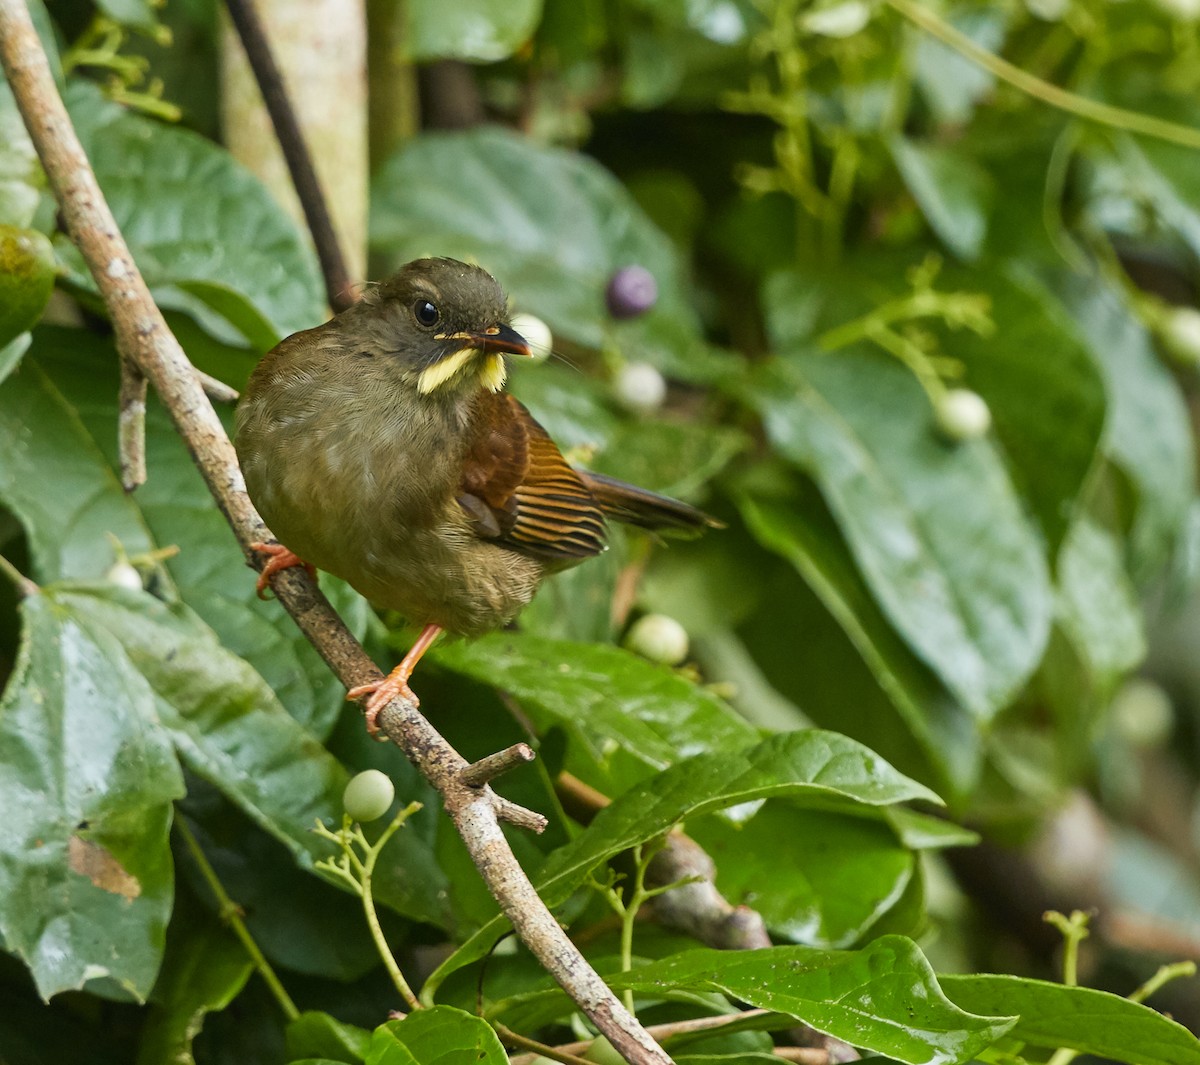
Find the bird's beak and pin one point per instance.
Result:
(493, 344)
(499, 339)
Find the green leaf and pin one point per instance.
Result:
(950, 83)
(1077, 1018)
(228, 728)
(10, 354)
(568, 405)
(883, 998)
(20, 173)
(817, 767)
(481, 30)
(493, 196)
(226, 724)
(27, 273)
(1161, 174)
(204, 970)
(817, 878)
(1097, 606)
(1147, 432)
(200, 226)
(1039, 405)
(43, 440)
(607, 699)
(87, 778)
(136, 13)
(923, 832)
(675, 458)
(801, 530)
(967, 587)
(176, 507)
(952, 190)
(441, 1035)
(821, 769)
(317, 1035)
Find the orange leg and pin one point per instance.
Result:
(395, 684)
(278, 558)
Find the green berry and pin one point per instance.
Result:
(369, 795)
(658, 638)
(27, 271)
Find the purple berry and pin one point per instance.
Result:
(632, 291)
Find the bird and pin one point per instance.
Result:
(383, 448)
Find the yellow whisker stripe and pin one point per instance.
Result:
(440, 372)
(494, 372)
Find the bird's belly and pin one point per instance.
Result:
(409, 550)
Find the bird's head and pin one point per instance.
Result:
(447, 324)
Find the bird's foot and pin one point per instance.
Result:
(380, 693)
(278, 558)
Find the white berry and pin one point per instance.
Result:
(124, 575)
(1180, 333)
(368, 795)
(536, 333)
(639, 387)
(962, 415)
(1142, 713)
(658, 638)
(844, 20)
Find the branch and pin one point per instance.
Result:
(1064, 100)
(672, 1029)
(338, 286)
(696, 908)
(143, 336)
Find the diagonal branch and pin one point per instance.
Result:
(144, 337)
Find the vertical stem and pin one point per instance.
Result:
(368, 901)
(231, 914)
(295, 151)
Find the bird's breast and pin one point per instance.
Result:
(361, 480)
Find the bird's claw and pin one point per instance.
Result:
(278, 558)
(380, 693)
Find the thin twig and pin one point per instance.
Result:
(24, 586)
(372, 915)
(339, 289)
(538, 1050)
(1064, 100)
(661, 1032)
(510, 812)
(694, 905)
(143, 335)
(217, 391)
(231, 914)
(487, 769)
(131, 426)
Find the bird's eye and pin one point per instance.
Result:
(426, 313)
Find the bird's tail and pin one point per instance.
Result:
(648, 510)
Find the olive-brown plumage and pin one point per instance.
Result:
(381, 447)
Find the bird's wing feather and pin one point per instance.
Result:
(519, 490)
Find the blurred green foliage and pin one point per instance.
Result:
(852, 225)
